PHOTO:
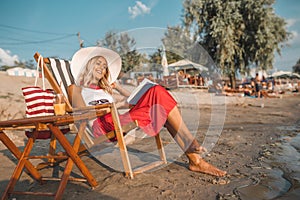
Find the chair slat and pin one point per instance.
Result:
(62, 73)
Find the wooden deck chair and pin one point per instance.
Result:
(59, 75)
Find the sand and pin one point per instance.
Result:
(258, 146)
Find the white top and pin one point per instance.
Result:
(90, 95)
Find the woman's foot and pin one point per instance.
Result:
(197, 164)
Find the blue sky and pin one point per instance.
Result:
(50, 27)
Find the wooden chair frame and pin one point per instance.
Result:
(53, 123)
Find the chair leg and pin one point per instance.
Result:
(160, 148)
(19, 168)
(73, 155)
(51, 161)
(17, 153)
(70, 163)
(121, 142)
(52, 149)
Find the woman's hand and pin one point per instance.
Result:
(113, 85)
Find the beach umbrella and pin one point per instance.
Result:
(187, 64)
(286, 74)
(282, 74)
(164, 63)
(295, 76)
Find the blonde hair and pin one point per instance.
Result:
(86, 77)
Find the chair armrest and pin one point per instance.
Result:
(75, 96)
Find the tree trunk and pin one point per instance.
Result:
(232, 79)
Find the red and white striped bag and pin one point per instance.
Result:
(39, 101)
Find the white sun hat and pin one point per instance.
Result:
(83, 55)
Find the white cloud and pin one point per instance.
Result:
(292, 26)
(291, 22)
(7, 59)
(138, 9)
(295, 34)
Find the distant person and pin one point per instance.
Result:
(201, 80)
(258, 86)
(249, 90)
(264, 83)
(183, 78)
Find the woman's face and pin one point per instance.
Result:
(99, 69)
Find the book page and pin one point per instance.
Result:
(139, 91)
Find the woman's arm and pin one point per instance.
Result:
(121, 96)
(120, 89)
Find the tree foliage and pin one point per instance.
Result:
(125, 46)
(296, 67)
(27, 64)
(173, 47)
(180, 44)
(236, 33)
(177, 43)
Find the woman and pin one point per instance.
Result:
(96, 69)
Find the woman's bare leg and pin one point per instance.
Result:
(189, 145)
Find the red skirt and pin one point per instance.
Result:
(151, 112)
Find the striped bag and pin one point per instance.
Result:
(39, 101)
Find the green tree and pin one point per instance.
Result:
(155, 60)
(296, 67)
(174, 46)
(177, 44)
(125, 46)
(181, 44)
(110, 41)
(236, 33)
(27, 64)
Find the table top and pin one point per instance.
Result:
(77, 115)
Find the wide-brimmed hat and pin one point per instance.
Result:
(82, 56)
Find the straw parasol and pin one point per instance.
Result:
(187, 64)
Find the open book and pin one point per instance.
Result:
(139, 91)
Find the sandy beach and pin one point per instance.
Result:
(258, 146)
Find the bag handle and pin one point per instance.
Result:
(40, 60)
